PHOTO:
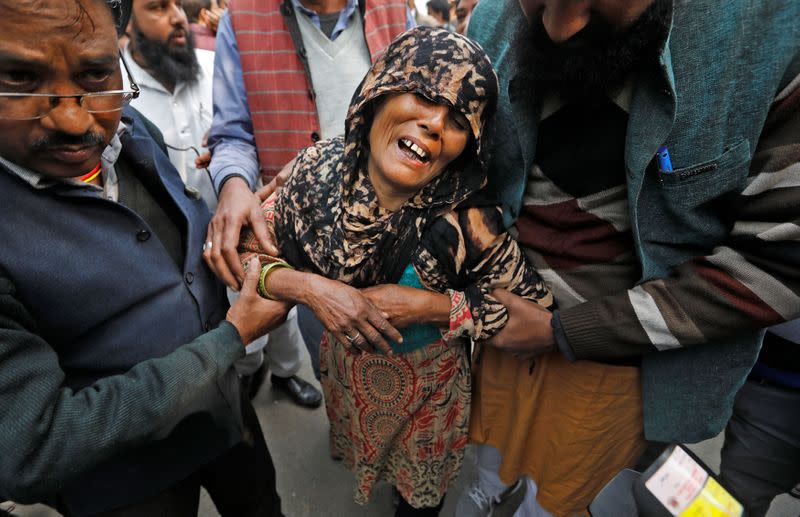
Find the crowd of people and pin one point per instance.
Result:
(566, 234)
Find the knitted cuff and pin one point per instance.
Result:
(561, 338)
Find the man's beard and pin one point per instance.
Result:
(596, 59)
(168, 63)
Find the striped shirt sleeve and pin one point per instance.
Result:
(750, 281)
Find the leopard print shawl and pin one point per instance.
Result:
(331, 222)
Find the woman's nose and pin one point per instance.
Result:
(434, 120)
(562, 19)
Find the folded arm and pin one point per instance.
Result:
(473, 245)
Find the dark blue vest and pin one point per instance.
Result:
(106, 295)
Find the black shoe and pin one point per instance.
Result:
(511, 499)
(303, 393)
(251, 384)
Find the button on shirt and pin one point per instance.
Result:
(183, 116)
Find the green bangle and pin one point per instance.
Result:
(265, 272)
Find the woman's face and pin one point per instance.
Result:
(412, 141)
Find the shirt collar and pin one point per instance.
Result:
(349, 8)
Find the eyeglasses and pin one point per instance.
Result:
(34, 106)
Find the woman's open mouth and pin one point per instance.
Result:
(413, 150)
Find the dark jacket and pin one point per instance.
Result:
(717, 266)
(104, 402)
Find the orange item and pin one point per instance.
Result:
(571, 427)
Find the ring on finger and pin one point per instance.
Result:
(207, 246)
(352, 338)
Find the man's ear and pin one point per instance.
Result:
(202, 16)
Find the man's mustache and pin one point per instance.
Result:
(55, 140)
(180, 31)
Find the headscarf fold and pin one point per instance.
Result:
(331, 222)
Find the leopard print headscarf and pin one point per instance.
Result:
(330, 220)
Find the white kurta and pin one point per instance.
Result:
(183, 116)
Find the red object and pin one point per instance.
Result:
(92, 174)
(203, 37)
(279, 94)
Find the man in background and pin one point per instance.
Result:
(463, 12)
(439, 10)
(204, 18)
(175, 81)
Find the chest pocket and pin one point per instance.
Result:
(690, 187)
(691, 210)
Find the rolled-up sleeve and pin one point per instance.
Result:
(231, 139)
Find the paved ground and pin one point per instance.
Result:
(311, 484)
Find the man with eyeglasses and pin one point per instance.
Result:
(117, 390)
(175, 81)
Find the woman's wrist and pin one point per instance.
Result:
(286, 285)
(263, 280)
(300, 286)
(436, 309)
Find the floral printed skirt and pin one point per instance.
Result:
(401, 418)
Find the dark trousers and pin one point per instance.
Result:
(761, 455)
(406, 510)
(311, 329)
(241, 482)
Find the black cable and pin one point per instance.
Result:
(197, 154)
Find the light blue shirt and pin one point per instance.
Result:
(231, 138)
(344, 16)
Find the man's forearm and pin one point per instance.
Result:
(234, 159)
(51, 435)
(231, 138)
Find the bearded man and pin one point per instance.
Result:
(175, 81)
(647, 153)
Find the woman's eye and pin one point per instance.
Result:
(459, 120)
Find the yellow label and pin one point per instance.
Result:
(713, 501)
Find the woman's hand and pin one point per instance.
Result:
(350, 316)
(408, 305)
(252, 315)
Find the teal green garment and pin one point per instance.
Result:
(418, 335)
(706, 101)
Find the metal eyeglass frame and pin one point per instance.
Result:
(133, 92)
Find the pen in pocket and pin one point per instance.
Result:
(664, 162)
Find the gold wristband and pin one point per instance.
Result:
(266, 270)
